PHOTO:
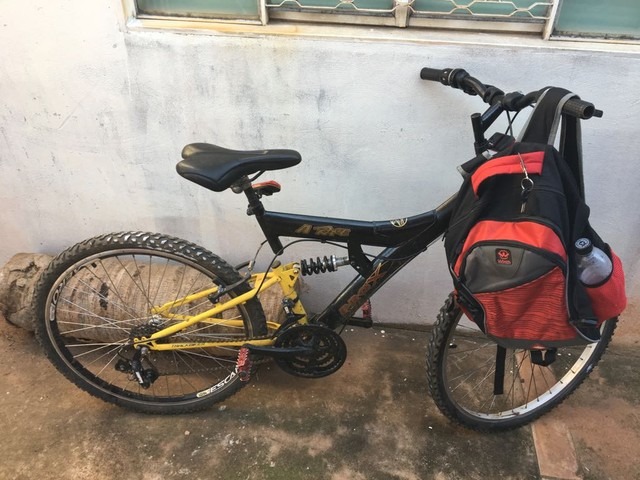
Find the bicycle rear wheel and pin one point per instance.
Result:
(461, 365)
(95, 297)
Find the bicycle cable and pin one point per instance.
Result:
(511, 120)
(294, 242)
(273, 260)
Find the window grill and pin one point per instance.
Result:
(618, 21)
(435, 13)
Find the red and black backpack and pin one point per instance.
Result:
(510, 243)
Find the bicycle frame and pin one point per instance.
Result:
(404, 239)
(286, 276)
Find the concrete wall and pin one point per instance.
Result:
(93, 119)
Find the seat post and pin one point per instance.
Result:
(257, 208)
(255, 204)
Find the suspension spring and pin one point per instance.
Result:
(326, 264)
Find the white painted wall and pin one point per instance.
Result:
(92, 122)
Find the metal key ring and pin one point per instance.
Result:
(526, 184)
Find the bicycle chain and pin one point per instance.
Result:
(258, 361)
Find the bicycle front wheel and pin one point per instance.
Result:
(461, 366)
(96, 297)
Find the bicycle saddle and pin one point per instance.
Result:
(217, 168)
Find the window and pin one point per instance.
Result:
(614, 19)
(519, 15)
(618, 19)
(236, 10)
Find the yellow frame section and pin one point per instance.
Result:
(285, 275)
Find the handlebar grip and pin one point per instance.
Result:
(459, 78)
(455, 78)
(432, 74)
(580, 109)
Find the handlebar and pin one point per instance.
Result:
(514, 101)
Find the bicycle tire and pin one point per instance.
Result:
(96, 296)
(461, 363)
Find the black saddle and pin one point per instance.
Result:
(217, 168)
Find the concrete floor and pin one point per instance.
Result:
(371, 420)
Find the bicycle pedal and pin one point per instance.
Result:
(243, 364)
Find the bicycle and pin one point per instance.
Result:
(157, 324)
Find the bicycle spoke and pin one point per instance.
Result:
(463, 362)
(115, 289)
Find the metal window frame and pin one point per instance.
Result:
(131, 15)
(399, 16)
(550, 33)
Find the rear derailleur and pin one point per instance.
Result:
(135, 366)
(136, 369)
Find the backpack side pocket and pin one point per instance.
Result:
(609, 299)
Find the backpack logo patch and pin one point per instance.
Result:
(503, 256)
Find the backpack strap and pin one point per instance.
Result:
(542, 127)
(571, 148)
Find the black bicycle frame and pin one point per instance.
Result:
(404, 239)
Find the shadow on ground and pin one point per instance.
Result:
(371, 420)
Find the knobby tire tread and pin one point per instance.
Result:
(149, 241)
(435, 357)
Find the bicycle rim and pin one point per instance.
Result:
(98, 304)
(465, 364)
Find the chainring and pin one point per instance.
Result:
(329, 351)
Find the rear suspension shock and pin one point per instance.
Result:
(326, 264)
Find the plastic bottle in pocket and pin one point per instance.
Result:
(594, 266)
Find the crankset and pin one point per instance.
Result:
(322, 351)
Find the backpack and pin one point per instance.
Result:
(510, 243)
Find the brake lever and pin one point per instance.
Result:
(513, 101)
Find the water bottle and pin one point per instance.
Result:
(594, 266)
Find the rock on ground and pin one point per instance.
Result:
(17, 282)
